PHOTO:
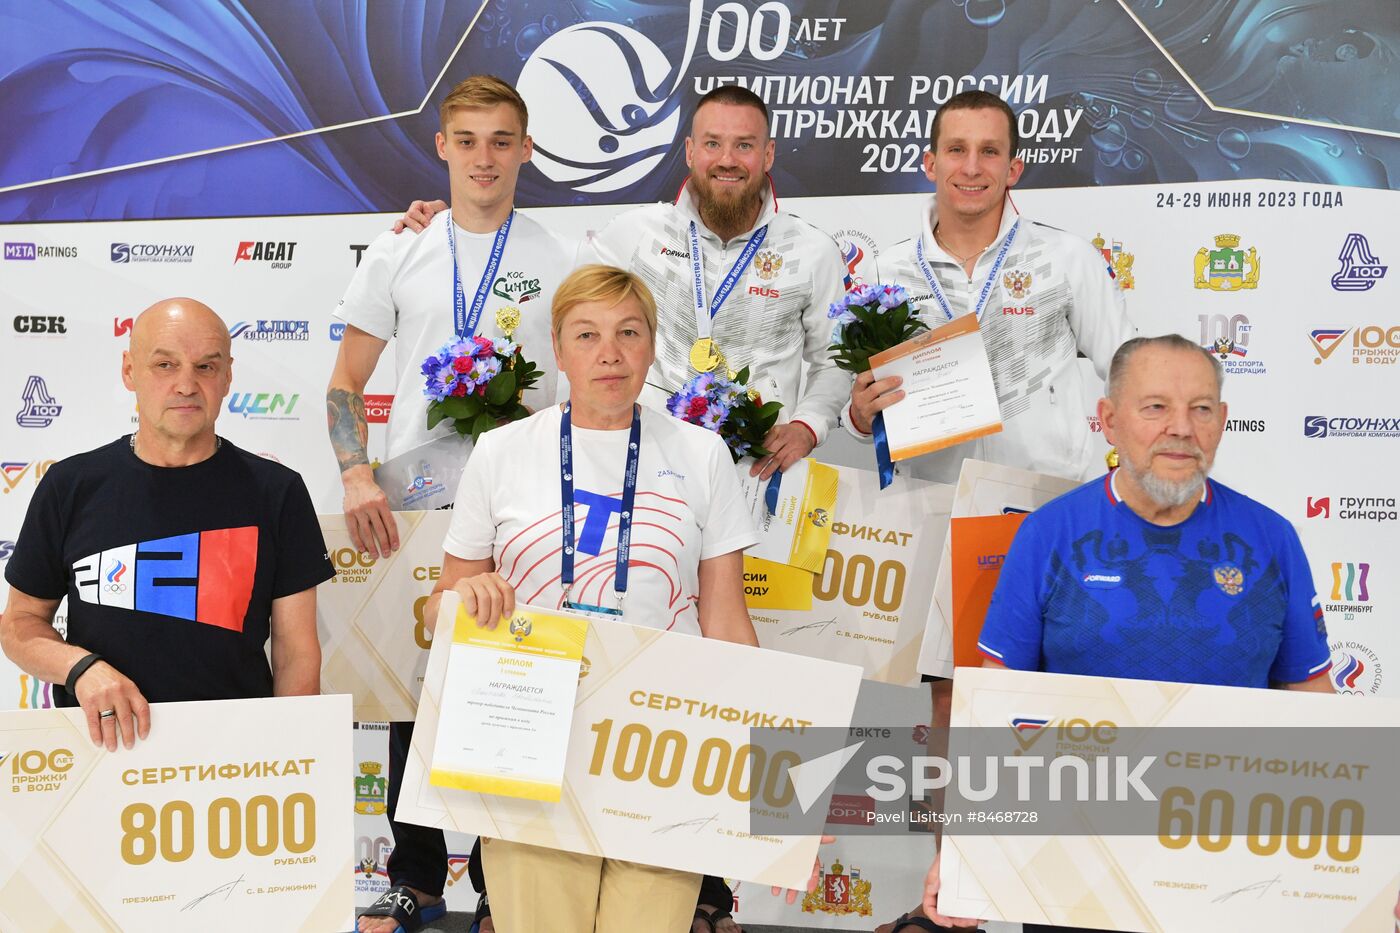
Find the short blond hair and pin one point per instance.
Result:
(482, 92)
(608, 285)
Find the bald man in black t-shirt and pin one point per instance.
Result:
(179, 554)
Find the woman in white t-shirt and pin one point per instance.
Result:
(685, 528)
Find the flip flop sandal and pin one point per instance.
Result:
(400, 906)
(483, 910)
(910, 922)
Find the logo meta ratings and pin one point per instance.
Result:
(28, 252)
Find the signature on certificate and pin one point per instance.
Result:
(698, 824)
(802, 628)
(224, 889)
(1261, 887)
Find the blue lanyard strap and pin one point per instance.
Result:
(987, 286)
(464, 319)
(629, 498)
(703, 313)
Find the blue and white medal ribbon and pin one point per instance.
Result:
(624, 522)
(466, 319)
(702, 354)
(987, 286)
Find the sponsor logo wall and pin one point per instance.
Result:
(1309, 375)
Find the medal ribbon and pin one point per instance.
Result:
(465, 319)
(937, 289)
(883, 463)
(703, 314)
(629, 497)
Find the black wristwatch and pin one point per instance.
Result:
(78, 670)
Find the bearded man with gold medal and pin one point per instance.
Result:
(738, 283)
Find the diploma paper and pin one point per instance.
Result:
(508, 702)
(233, 815)
(949, 394)
(665, 697)
(797, 528)
(1119, 882)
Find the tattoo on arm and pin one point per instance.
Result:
(345, 416)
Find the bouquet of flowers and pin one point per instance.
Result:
(727, 406)
(477, 382)
(870, 319)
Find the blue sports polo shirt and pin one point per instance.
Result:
(1225, 597)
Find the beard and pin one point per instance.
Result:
(725, 207)
(1169, 494)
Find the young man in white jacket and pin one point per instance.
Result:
(1041, 301)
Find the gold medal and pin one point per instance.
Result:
(507, 319)
(705, 356)
(1111, 458)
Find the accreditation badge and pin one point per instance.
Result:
(425, 477)
(233, 815)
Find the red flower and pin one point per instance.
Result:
(697, 407)
(481, 389)
(462, 364)
(484, 347)
(459, 389)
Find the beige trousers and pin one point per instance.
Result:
(537, 890)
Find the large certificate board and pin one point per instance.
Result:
(233, 815)
(659, 764)
(982, 489)
(1280, 869)
(868, 604)
(374, 640)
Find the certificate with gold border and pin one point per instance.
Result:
(233, 815)
(1255, 856)
(660, 769)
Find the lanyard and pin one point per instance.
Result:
(466, 320)
(942, 299)
(624, 523)
(704, 314)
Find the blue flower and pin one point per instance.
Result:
(441, 383)
(713, 418)
(740, 448)
(484, 369)
(892, 296)
(862, 295)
